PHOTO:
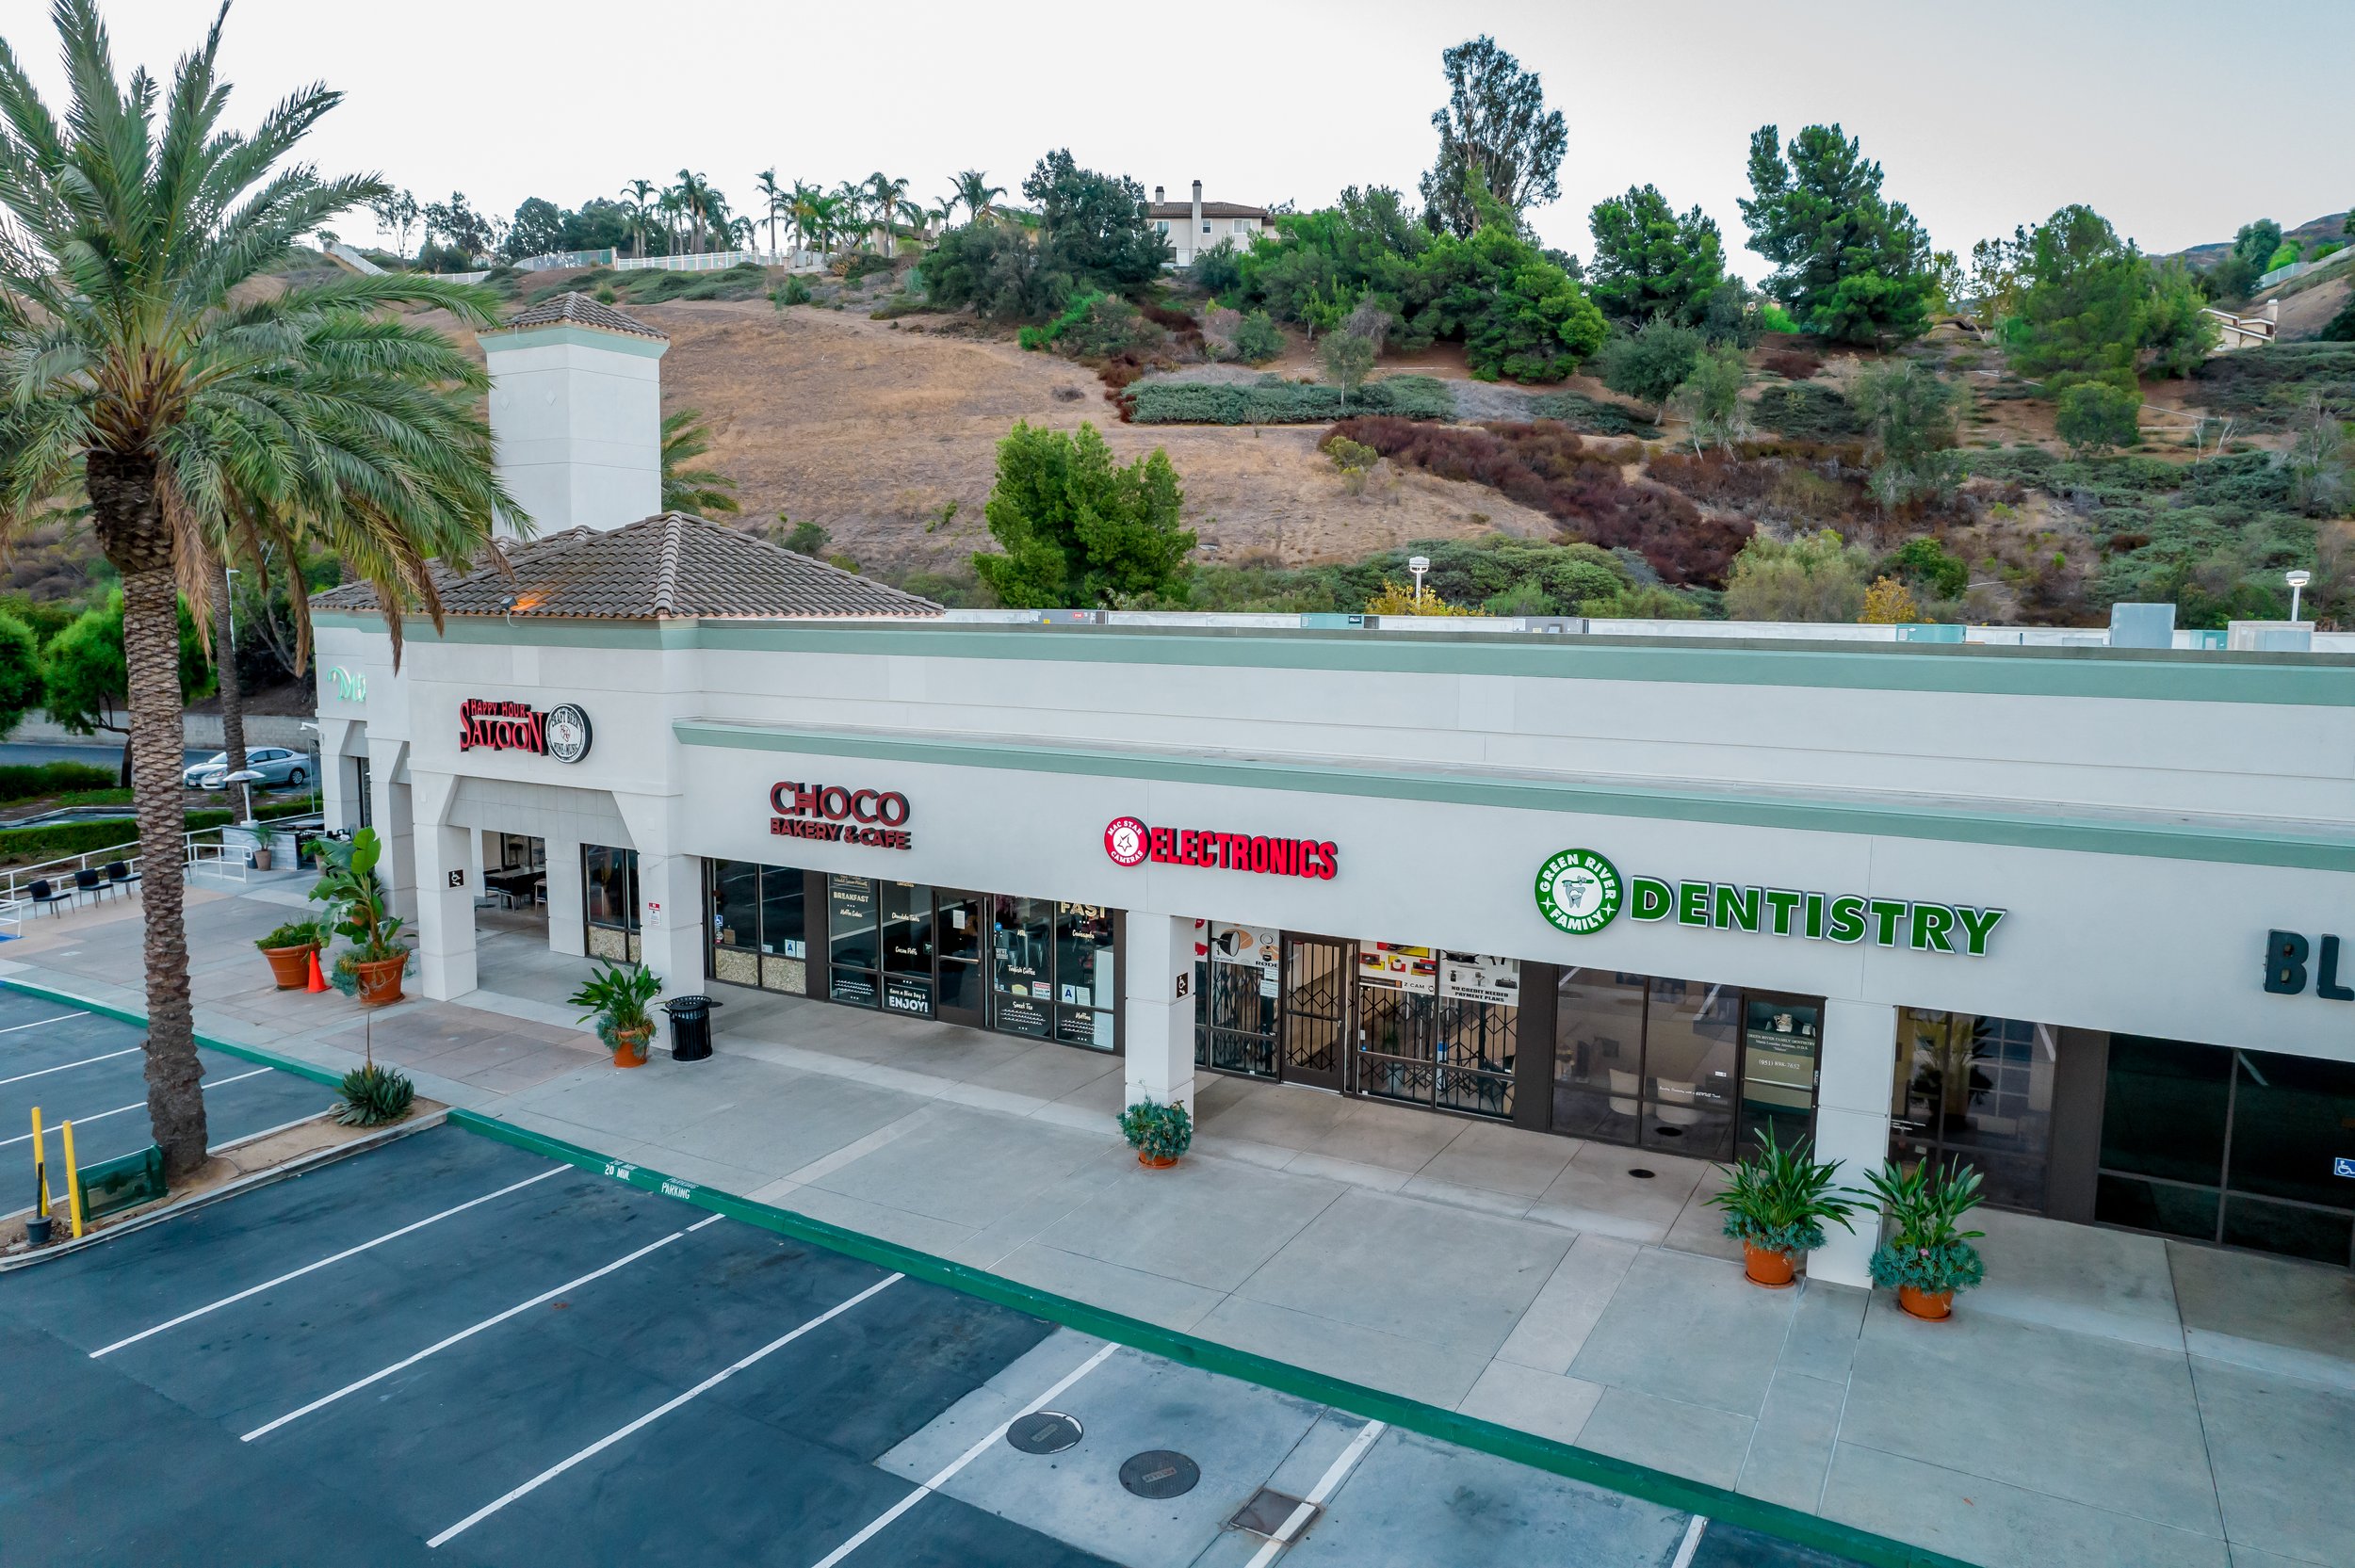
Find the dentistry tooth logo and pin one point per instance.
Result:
(1127, 841)
(1578, 891)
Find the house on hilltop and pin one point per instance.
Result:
(1193, 227)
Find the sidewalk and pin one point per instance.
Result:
(2106, 1399)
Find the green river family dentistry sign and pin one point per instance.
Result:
(1579, 892)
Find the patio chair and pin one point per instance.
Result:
(122, 877)
(85, 881)
(45, 897)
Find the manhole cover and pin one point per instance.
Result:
(1043, 1432)
(1160, 1473)
(1639, 1174)
(1268, 1511)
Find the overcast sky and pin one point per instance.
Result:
(2177, 120)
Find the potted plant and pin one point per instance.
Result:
(362, 915)
(1775, 1203)
(1157, 1132)
(1926, 1259)
(620, 997)
(289, 948)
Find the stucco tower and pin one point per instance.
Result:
(576, 413)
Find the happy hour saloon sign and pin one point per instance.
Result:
(561, 731)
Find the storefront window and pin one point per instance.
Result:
(1237, 976)
(783, 931)
(736, 922)
(2237, 1147)
(1086, 991)
(609, 901)
(1976, 1090)
(852, 928)
(1022, 967)
(1477, 1022)
(1647, 1060)
(1597, 1054)
(907, 948)
(1689, 1050)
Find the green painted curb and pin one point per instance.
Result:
(1561, 1459)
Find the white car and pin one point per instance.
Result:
(277, 766)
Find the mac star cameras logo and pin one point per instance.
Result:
(1578, 891)
(1127, 841)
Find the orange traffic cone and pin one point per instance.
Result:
(319, 981)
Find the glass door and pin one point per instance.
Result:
(1238, 978)
(1317, 986)
(1974, 1090)
(852, 940)
(957, 932)
(1781, 1040)
(908, 950)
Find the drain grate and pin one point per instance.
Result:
(1043, 1432)
(1639, 1173)
(1268, 1511)
(1160, 1473)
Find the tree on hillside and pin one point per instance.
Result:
(2178, 332)
(466, 229)
(142, 373)
(1650, 362)
(2081, 308)
(774, 199)
(638, 196)
(1913, 416)
(84, 682)
(1077, 529)
(1496, 130)
(887, 194)
(1852, 265)
(976, 193)
(1349, 353)
(1710, 398)
(1092, 227)
(1816, 576)
(1650, 261)
(396, 211)
(701, 492)
(537, 228)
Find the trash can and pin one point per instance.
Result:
(691, 1027)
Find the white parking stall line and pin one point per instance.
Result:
(136, 1105)
(1326, 1484)
(86, 1061)
(491, 1322)
(1691, 1541)
(413, 1226)
(39, 1022)
(937, 1481)
(660, 1411)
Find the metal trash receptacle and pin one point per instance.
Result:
(691, 1027)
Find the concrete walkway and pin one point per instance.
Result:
(2106, 1399)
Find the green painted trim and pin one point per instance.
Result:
(2297, 680)
(555, 336)
(531, 630)
(1447, 1426)
(243, 1053)
(2079, 836)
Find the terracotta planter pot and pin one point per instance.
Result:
(380, 979)
(629, 1046)
(1771, 1269)
(261, 860)
(1156, 1162)
(1921, 1303)
(291, 966)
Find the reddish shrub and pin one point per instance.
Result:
(1797, 365)
(1549, 468)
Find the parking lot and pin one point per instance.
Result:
(88, 1067)
(449, 1350)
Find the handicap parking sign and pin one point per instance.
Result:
(2343, 1167)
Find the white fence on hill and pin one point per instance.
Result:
(2299, 269)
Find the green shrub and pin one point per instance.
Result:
(1778, 1199)
(373, 1095)
(1923, 563)
(1805, 412)
(54, 841)
(1772, 317)
(2096, 416)
(1592, 415)
(1034, 339)
(295, 934)
(2285, 254)
(790, 292)
(1650, 362)
(1258, 339)
(1651, 602)
(1106, 327)
(1219, 269)
(1273, 400)
(1157, 1131)
(26, 781)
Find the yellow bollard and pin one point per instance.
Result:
(40, 1168)
(73, 1187)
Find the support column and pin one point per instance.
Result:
(444, 914)
(1159, 955)
(394, 817)
(1859, 1066)
(670, 938)
(567, 913)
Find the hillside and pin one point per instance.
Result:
(2329, 226)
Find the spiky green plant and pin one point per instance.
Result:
(1778, 1199)
(150, 364)
(373, 1095)
(1925, 1248)
(620, 998)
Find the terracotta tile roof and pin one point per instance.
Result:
(578, 310)
(1209, 209)
(669, 565)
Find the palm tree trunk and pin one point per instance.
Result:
(225, 667)
(131, 530)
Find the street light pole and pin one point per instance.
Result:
(2297, 581)
(1419, 565)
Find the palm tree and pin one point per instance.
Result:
(139, 371)
(694, 194)
(976, 192)
(670, 204)
(773, 197)
(699, 490)
(849, 202)
(640, 209)
(886, 193)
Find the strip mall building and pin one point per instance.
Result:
(2072, 914)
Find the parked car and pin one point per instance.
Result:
(277, 766)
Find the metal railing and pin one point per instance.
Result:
(2299, 269)
(204, 852)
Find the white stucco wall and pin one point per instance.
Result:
(576, 417)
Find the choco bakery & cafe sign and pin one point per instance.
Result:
(836, 814)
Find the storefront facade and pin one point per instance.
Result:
(2024, 909)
